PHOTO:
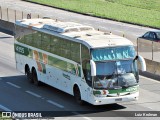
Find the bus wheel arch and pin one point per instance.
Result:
(28, 73)
(77, 94)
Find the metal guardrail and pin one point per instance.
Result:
(12, 15)
(149, 49)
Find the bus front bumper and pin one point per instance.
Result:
(118, 99)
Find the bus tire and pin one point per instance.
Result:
(77, 95)
(28, 74)
(35, 78)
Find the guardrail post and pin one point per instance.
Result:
(152, 50)
(1, 11)
(22, 14)
(7, 15)
(137, 47)
(15, 15)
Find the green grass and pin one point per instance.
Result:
(143, 12)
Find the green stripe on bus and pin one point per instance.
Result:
(130, 89)
(30, 53)
(21, 50)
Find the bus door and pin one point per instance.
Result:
(87, 79)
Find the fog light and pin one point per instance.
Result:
(98, 101)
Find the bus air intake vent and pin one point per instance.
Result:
(62, 27)
(52, 27)
(88, 35)
(76, 36)
(107, 33)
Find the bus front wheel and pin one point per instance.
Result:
(77, 95)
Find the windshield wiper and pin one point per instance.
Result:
(115, 88)
(127, 86)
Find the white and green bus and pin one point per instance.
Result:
(93, 66)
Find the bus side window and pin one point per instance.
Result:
(37, 39)
(46, 41)
(20, 36)
(28, 37)
(88, 71)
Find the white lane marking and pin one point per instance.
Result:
(150, 79)
(4, 108)
(150, 108)
(103, 27)
(78, 114)
(88, 24)
(54, 103)
(34, 94)
(16, 86)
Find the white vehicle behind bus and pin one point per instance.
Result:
(96, 67)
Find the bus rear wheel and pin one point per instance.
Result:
(77, 96)
(28, 75)
(34, 78)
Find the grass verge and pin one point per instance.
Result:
(141, 12)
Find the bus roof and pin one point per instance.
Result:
(76, 32)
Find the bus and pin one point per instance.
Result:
(94, 66)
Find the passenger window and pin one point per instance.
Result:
(46, 42)
(146, 35)
(152, 36)
(37, 39)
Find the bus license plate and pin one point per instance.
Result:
(118, 99)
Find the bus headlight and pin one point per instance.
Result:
(100, 93)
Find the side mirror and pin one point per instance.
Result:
(142, 62)
(93, 68)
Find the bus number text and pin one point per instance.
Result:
(20, 49)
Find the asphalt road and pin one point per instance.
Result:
(17, 94)
(129, 31)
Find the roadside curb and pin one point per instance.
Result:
(149, 75)
(7, 27)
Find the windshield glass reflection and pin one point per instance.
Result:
(115, 74)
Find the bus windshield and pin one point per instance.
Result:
(113, 74)
(115, 67)
(113, 53)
